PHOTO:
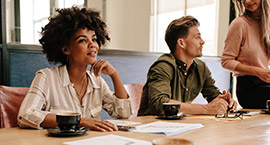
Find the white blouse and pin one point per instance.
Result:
(52, 92)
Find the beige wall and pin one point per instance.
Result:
(129, 24)
(223, 13)
(97, 4)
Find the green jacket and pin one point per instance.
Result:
(167, 79)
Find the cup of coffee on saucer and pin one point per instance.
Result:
(268, 104)
(171, 111)
(68, 122)
(267, 110)
(171, 141)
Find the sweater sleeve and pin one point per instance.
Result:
(233, 43)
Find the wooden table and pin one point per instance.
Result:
(254, 130)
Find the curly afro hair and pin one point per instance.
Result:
(57, 33)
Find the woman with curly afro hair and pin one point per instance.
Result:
(72, 38)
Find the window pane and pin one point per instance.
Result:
(33, 15)
(26, 17)
(168, 10)
(10, 22)
(68, 3)
(205, 12)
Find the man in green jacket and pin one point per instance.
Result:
(179, 77)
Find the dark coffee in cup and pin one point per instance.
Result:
(171, 109)
(68, 122)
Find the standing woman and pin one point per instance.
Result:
(247, 50)
(73, 38)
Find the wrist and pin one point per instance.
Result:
(253, 72)
(114, 74)
(205, 109)
(82, 122)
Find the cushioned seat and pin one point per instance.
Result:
(135, 93)
(10, 102)
(12, 97)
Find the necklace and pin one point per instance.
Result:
(80, 92)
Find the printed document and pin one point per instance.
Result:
(166, 128)
(109, 140)
(123, 123)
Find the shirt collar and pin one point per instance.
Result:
(183, 65)
(63, 73)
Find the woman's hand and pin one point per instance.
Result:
(103, 66)
(263, 74)
(98, 125)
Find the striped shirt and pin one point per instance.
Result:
(52, 92)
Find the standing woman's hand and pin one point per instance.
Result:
(103, 66)
(263, 74)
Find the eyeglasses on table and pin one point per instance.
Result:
(230, 115)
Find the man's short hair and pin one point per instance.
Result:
(179, 28)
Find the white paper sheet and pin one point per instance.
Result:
(251, 113)
(109, 140)
(166, 128)
(123, 123)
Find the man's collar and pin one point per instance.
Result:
(183, 65)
